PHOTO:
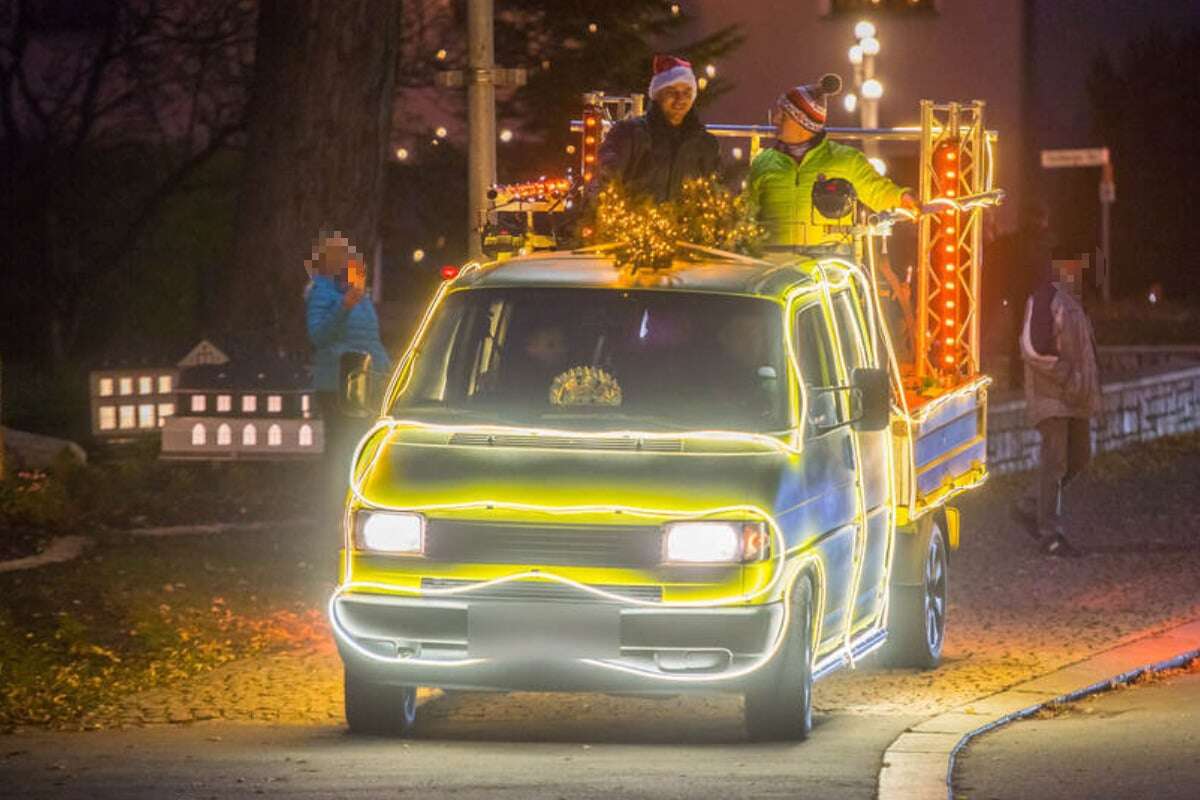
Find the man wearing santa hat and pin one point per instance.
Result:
(782, 177)
(654, 154)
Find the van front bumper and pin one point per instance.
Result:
(475, 644)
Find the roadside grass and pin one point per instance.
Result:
(1134, 321)
(136, 613)
(132, 487)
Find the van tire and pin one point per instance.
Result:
(917, 614)
(378, 709)
(780, 706)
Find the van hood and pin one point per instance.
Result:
(478, 471)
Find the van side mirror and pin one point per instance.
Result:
(874, 396)
(353, 370)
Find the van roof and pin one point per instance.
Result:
(732, 275)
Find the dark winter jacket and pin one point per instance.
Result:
(334, 329)
(1058, 347)
(652, 158)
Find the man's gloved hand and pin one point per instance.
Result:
(908, 201)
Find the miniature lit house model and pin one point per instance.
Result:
(131, 401)
(244, 408)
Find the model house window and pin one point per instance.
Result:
(145, 385)
(106, 387)
(306, 404)
(127, 417)
(274, 436)
(146, 415)
(199, 435)
(249, 435)
(224, 402)
(306, 436)
(108, 418)
(274, 403)
(249, 403)
(165, 410)
(198, 402)
(126, 385)
(165, 384)
(224, 434)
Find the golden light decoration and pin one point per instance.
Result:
(585, 386)
(706, 214)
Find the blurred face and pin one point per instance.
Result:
(675, 101)
(789, 130)
(547, 346)
(334, 257)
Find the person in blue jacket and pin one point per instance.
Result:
(341, 319)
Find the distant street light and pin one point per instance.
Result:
(441, 132)
(867, 89)
(710, 71)
(506, 135)
(864, 30)
(418, 255)
(401, 154)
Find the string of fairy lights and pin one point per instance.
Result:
(648, 233)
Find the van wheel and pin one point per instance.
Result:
(378, 709)
(917, 617)
(780, 707)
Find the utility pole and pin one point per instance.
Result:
(481, 78)
(481, 118)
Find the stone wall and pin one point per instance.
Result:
(1134, 410)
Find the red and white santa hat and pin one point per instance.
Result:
(806, 103)
(668, 71)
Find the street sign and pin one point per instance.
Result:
(1080, 157)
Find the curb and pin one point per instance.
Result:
(61, 548)
(219, 527)
(919, 764)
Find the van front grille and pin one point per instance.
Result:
(637, 547)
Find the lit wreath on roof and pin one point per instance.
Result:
(706, 213)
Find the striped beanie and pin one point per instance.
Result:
(806, 103)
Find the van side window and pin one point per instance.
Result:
(814, 348)
(850, 332)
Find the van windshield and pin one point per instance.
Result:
(601, 358)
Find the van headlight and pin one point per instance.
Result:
(390, 532)
(715, 542)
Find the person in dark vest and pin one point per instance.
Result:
(652, 155)
(1062, 394)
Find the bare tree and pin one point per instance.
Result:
(319, 135)
(164, 79)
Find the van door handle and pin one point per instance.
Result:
(848, 452)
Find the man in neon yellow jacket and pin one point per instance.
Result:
(782, 176)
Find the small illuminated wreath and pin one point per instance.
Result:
(585, 386)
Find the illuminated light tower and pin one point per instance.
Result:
(593, 130)
(947, 254)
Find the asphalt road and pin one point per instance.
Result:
(1142, 741)
(471, 746)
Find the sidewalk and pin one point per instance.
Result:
(1015, 614)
